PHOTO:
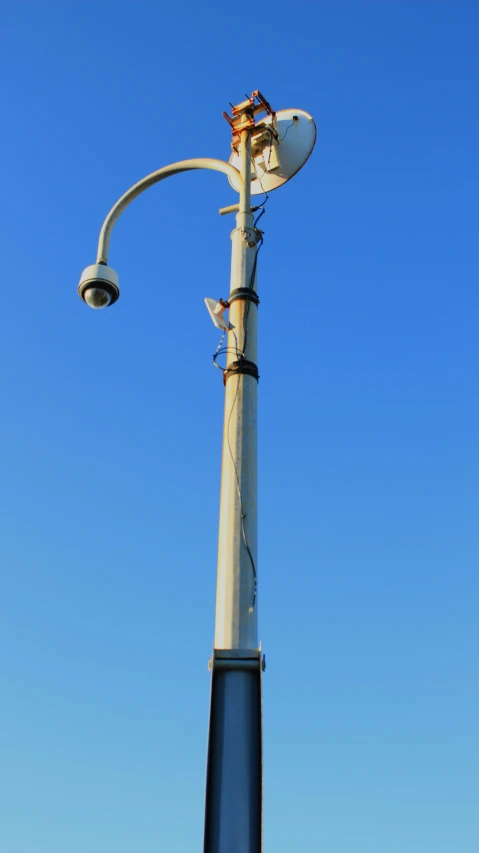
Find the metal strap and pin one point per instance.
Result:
(244, 293)
(248, 368)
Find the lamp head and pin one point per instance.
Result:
(99, 286)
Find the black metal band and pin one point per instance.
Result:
(243, 293)
(249, 368)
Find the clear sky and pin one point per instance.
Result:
(111, 425)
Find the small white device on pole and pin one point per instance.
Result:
(216, 311)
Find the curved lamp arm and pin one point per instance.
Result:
(145, 183)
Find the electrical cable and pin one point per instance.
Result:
(251, 285)
(238, 486)
(286, 131)
(240, 355)
(224, 350)
(241, 358)
(266, 196)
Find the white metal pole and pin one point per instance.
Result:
(236, 593)
(233, 813)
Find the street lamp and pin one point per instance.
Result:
(268, 148)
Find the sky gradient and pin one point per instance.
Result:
(112, 424)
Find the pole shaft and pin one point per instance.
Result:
(234, 778)
(236, 598)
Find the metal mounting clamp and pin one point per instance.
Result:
(248, 368)
(245, 293)
(237, 659)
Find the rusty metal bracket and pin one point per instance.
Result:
(244, 116)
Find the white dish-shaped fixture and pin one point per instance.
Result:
(276, 161)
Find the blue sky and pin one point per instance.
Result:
(111, 425)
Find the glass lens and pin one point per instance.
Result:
(96, 297)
